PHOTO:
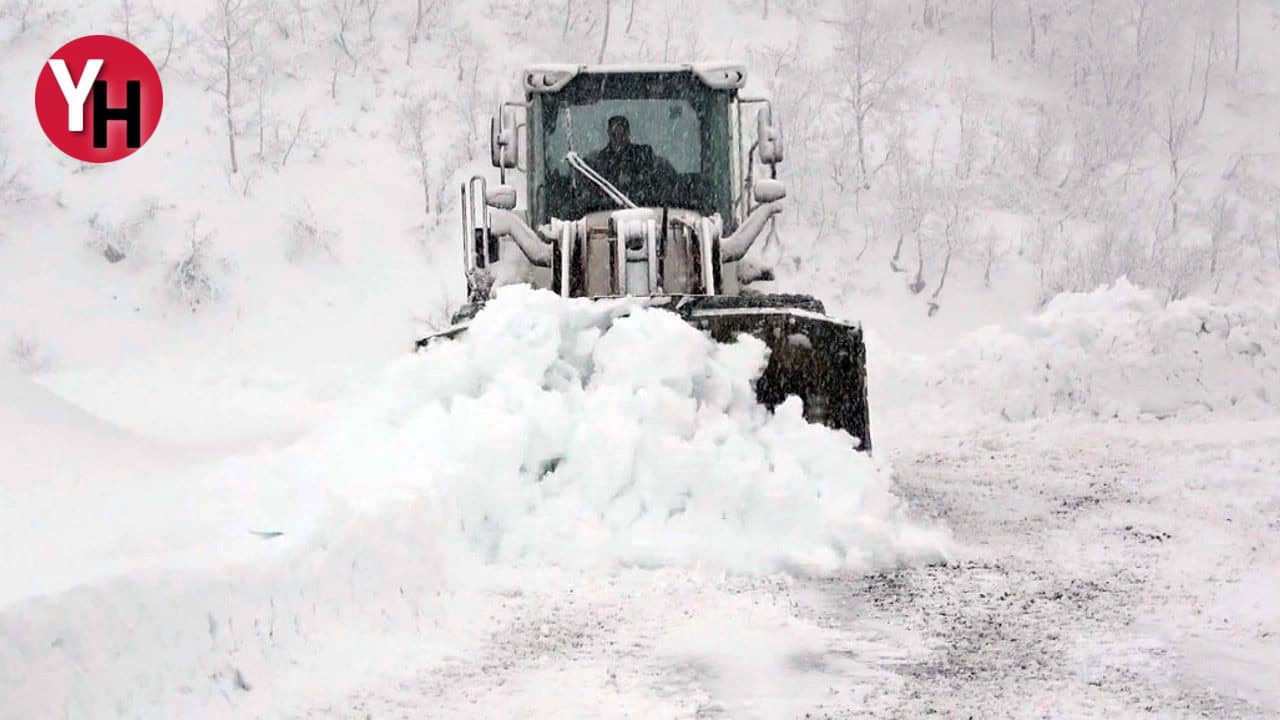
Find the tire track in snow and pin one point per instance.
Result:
(1075, 593)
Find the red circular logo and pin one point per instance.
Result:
(98, 98)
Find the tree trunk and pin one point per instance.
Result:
(991, 27)
(946, 265)
(226, 96)
(897, 253)
(426, 184)
(1208, 65)
(262, 121)
(1237, 37)
(604, 37)
(860, 112)
(918, 284)
(862, 153)
(1031, 24)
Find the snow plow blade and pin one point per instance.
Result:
(817, 358)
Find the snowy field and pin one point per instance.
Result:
(228, 489)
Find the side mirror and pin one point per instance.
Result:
(766, 190)
(502, 197)
(768, 138)
(502, 144)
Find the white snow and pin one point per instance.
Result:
(255, 503)
(1114, 353)
(554, 432)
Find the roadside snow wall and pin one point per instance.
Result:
(1117, 352)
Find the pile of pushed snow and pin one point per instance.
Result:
(553, 433)
(1117, 352)
(584, 433)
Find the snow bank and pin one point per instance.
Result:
(538, 437)
(1117, 352)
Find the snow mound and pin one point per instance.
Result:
(588, 434)
(555, 434)
(1116, 352)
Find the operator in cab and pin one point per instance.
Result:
(634, 169)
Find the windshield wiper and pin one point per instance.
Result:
(577, 163)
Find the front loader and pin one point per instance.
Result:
(663, 204)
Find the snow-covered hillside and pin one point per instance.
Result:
(228, 489)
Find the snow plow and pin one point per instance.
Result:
(639, 181)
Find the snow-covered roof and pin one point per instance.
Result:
(552, 77)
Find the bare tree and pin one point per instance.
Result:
(1142, 24)
(370, 14)
(991, 26)
(1237, 37)
(13, 189)
(342, 14)
(300, 12)
(1175, 130)
(414, 140)
(231, 32)
(470, 98)
(1222, 226)
(424, 11)
(1031, 29)
(299, 129)
(261, 88)
(877, 57)
(962, 95)
(340, 17)
(909, 206)
(1043, 140)
(955, 230)
(1208, 66)
(168, 26)
(991, 252)
(123, 14)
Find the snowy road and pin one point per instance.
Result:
(1106, 570)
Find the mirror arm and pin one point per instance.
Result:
(505, 223)
(735, 246)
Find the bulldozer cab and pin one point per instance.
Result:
(636, 182)
(677, 152)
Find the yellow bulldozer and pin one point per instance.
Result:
(641, 181)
